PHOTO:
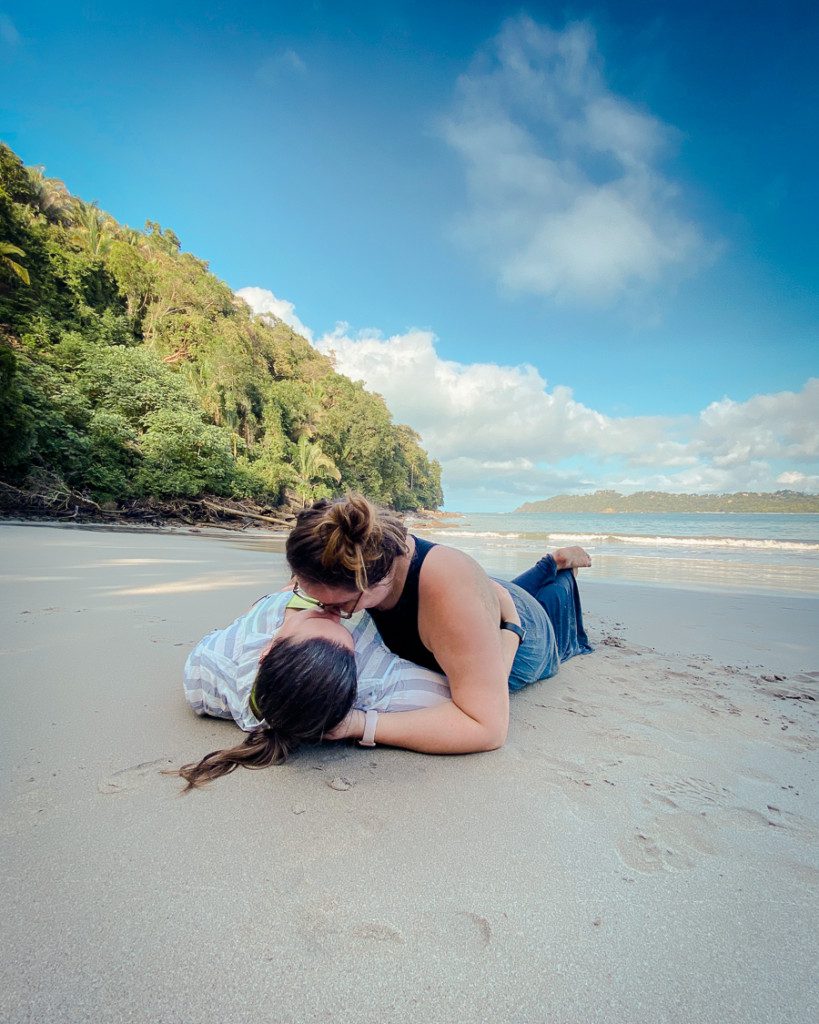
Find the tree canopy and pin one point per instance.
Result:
(128, 370)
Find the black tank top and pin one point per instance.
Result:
(399, 625)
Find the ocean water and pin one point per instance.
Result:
(753, 553)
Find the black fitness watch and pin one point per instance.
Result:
(513, 627)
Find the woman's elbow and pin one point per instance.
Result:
(494, 737)
(483, 731)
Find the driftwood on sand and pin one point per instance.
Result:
(49, 497)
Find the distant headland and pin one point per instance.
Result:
(660, 501)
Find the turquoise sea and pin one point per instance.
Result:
(753, 553)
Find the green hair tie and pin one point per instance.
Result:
(254, 707)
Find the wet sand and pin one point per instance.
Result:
(643, 848)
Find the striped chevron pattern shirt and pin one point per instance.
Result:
(220, 670)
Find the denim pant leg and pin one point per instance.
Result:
(537, 656)
(556, 592)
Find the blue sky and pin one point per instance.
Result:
(574, 245)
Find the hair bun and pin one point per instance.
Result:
(355, 520)
(352, 536)
(347, 542)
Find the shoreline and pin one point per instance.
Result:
(660, 572)
(204, 529)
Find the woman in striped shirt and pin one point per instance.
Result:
(288, 672)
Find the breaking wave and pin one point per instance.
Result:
(639, 540)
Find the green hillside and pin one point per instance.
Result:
(659, 501)
(129, 371)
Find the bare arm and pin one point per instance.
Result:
(446, 728)
(459, 622)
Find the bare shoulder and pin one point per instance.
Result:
(448, 574)
(458, 616)
(446, 567)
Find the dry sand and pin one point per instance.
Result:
(642, 849)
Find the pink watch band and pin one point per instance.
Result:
(368, 739)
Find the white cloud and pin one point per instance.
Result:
(777, 426)
(264, 303)
(796, 481)
(566, 195)
(504, 434)
(501, 412)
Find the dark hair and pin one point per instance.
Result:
(346, 543)
(303, 689)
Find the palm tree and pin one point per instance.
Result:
(133, 237)
(7, 250)
(310, 467)
(93, 227)
(51, 197)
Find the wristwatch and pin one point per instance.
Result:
(371, 721)
(513, 627)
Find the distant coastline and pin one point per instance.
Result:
(653, 502)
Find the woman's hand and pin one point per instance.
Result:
(350, 727)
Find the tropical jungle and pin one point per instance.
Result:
(134, 382)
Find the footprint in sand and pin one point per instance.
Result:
(772, 818)
(328, 923)
(574, 780)
(379, 932)
(479, 929)
(369, 827)
(464, 931)
(805, 873)
(576, 706)
(691, 794)
(668, 842)
(132, 778)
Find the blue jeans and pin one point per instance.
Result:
(548, 604)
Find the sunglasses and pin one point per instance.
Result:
(335, 609)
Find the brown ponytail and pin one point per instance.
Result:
(303, 689)
(261, 748)
(346, 543)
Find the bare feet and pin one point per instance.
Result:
(572, 558)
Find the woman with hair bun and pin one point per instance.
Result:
(435, 606)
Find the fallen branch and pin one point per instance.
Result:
(60, 501)
(50, 497)
(242, 514)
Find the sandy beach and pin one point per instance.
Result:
(644, 848)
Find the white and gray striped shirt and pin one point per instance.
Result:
(220, 670)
